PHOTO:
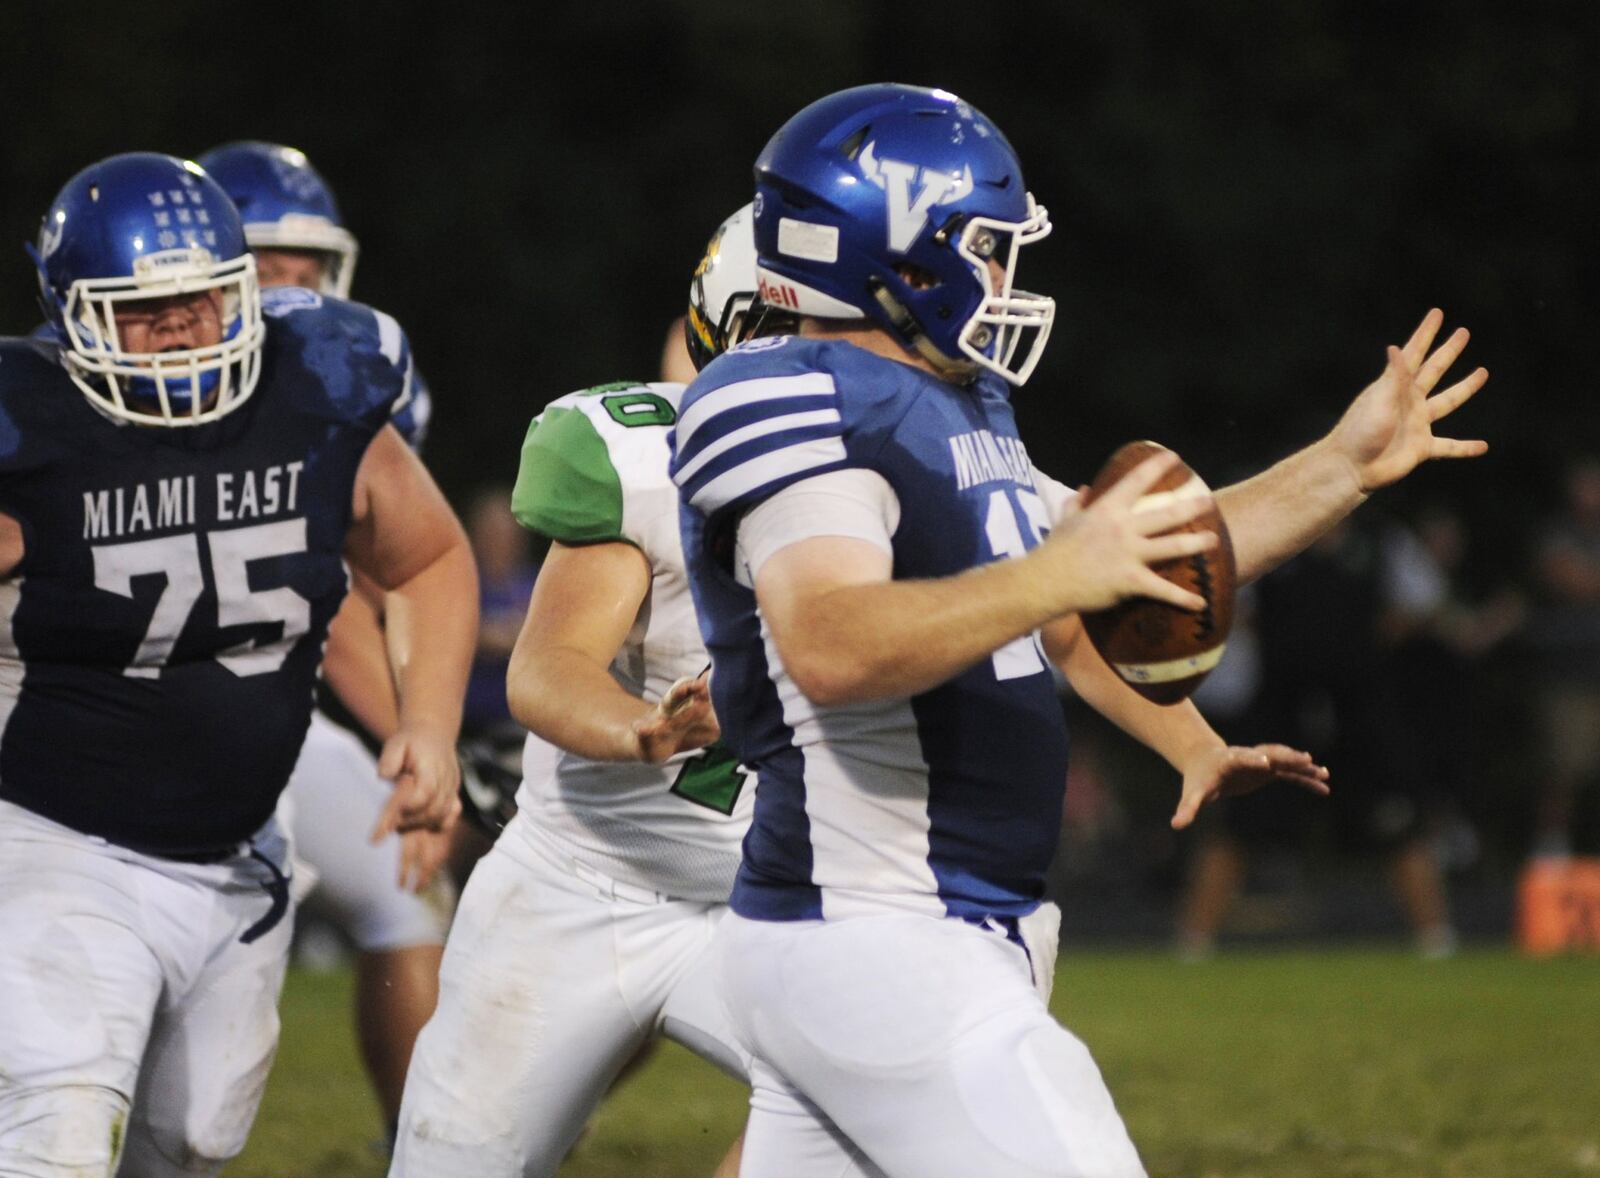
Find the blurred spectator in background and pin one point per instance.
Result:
(505, 573)
(1327, 624)
(1438, 638)
(1565, 634)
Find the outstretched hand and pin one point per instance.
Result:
(1225, 772)
(1387, 432)
(682, 721)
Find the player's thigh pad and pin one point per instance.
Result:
(211, 1047)
(78, 989)
(531, 1027)
(334, 798)
(695, 1014)
(789, 1135)
(926, 1043)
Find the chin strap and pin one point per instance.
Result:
(911, 333)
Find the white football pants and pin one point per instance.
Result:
(911, 1047)
(332, 803)
(133, 1021)
(553, 976)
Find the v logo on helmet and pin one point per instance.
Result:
(908, 215)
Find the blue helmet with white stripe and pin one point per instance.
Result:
(905, 206)
(285, 204)
(126, 236)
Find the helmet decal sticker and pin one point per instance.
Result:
(908, 216)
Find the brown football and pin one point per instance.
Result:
(1159, 650)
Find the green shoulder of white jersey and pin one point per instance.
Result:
(570, 482)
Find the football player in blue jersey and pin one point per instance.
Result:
(185, 468)
(881, 575)
(293, 227)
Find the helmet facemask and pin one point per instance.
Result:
(175, 388)
(1008, 331)
(304, 231)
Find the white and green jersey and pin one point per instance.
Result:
(594, 470)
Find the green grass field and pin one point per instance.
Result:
(1268, 1065)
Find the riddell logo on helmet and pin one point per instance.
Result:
(778, 294)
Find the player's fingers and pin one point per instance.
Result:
(1148, 584)
(1282, 754)
(678, 695)
(1188, 807)
(1160, 548)
(695, 698)
(388, 819)
(1440, 359)
(1140, 479)
(1458, 448)
(1306, 781)
(439, 800)
(1422, 339)
(1308, 772)
(1447, 401)
(408, 863)
(393, 758)
(1163, 511)
(1250, 758)
(1395, 366)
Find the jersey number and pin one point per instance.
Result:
(639, 408)
(1003, 525)
(713, 779)
(178, 559)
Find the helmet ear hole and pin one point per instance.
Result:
(915, 276)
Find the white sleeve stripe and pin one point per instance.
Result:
(757, 429)
(770, 467)
(388, 336)
(746, 392)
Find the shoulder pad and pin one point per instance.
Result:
(36, 396)
(358, 356)
(588, 453)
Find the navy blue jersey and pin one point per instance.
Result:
(160, 640)
(949, 802)
(413, 412)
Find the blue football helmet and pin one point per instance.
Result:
(141, 227)
(285, 204)
(906, 206)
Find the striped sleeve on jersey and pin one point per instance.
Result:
(745, 440)
(567, 487)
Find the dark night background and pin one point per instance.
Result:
(1250, 197)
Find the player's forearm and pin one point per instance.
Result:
(1176, 733)
(431, 626)
(1286, 507)
(563, 696)
(898, 638)
(356, 667)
